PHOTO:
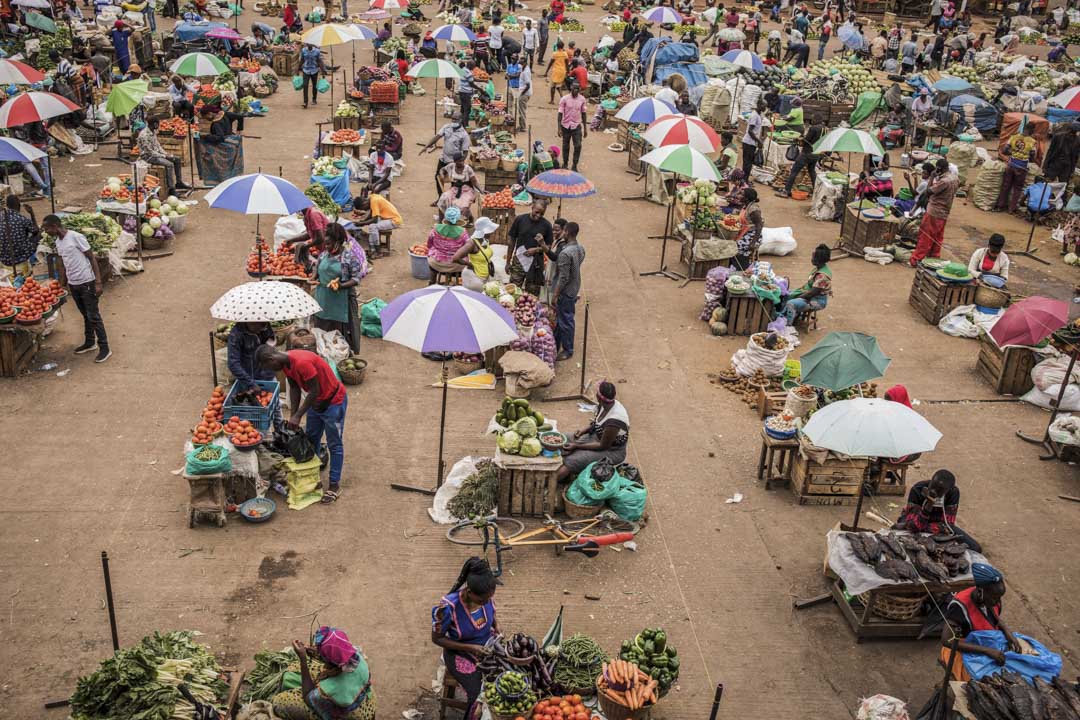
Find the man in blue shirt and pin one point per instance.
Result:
(311, 64)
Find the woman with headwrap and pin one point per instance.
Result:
(605, 437)
(443, 242)
(932, 506)
(462, 624)
(977, 608)
(338, 689)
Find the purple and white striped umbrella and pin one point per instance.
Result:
(662, 15)
(447, 319)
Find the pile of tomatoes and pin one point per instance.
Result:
(214, 411)
(279, 264)
(176, 126)
(567, 707)
(264, 397)
(242, 433)
(34, 298)
(205, 432)
(502, 199)
(345, 137)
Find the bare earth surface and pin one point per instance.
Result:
(89, 459)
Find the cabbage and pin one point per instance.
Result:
(491, 289)
(530, 447)
(1071, 259)
(526, 427)
(509, 442)
(506, 300)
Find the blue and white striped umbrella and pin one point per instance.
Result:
(851, 37)
(258, 194)
(662, 15)
(645, 110)
(743, 59)
(454, 33)
(12, 150)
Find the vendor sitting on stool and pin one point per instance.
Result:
(991, 261)
(463, 622)
(977, 608)
(814, 295)
(341, 690)
(931, 508)
(606, 436)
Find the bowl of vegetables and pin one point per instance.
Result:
(258, 509)
(779, 427)
(553, 442)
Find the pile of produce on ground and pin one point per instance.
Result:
(140, 683)
(581, 660)
(628, 685)
(509, 694)
(264, 681)
(657, 658)
(902, 556)
(478, 494)
(1008, 695)
(326, 204)
(325, 167)
(522, 426)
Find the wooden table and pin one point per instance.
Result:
(832, 482)
(934, 298)
(18, 345)
(783, 452)
(527, 486)
(857, 233)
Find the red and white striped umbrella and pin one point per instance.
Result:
(34, 107)
(1070, 99)
(683, 130)
(17, 73)
(384, 5)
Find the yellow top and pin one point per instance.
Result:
(384, 209)
(480, 259)
(559, 59)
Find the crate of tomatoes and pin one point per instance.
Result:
(257, 408)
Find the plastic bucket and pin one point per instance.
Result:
(419, 266)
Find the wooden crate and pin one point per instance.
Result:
(1008, 369)
(386, 111)
(636, 148)
(623, 135)
(503, 217)
(747, 314)
(834, 482)
(527, 493)
(839, 112)
(857, 233)
(934, 298)
(177, 147)
(17, 349)
(816, 111)
(285, 65)
(497, 179)
(697, 269)
(346, 123)
(491, 359)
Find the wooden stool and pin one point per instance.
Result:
(440, 277)
(783, 453)
(383, 248)
(891, 478)
(447, 697)
(807, 318)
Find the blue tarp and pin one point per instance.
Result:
(693, 72)
(1044, 664)
(985, 115)
(338, 187)
(668, 51)
(188, 32)
(1057, 115)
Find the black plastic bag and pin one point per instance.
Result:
(602, 471)
(631, 473)
(298, 445)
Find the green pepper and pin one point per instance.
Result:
(649, 647)
(660, 661)
(627, 645)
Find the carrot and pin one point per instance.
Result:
(614, 696)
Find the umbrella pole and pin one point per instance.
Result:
(1045, 439)
(1028, 252)
(331, 81)
(213, 358)
(52, 187)
(138, 215)
(442, 425)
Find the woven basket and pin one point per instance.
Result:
(153, 243)
(896, 606)
(509, 165)
(283, 332)
(618, 711)
(353, 377)
(465, 367)
(489, 163)
(991, 297)
(579, 512)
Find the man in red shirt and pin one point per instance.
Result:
(324, 403)
(580, 73)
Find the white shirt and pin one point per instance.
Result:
(528, 38)
(668, 95)
(72, 250)
(796, 36)
(495, 32)
(753, 125)
(525, 81)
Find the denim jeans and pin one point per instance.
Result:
(807, 160)
(171, 164)
(332, 422)
(821, 49)
(572, 136)
(796, 305)
(93, 326)
(564, 323)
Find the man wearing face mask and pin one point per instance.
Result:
(932, 506)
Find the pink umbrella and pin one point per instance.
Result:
(224, 33)
(683, 130)
(1030, 321)
(15, 72)
(33, 107)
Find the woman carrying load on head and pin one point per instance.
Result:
(339, 690)
(605, 437)
(977, 608)
(462, 624)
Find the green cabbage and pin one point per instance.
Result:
(530, 447)
(492, 289)
(509, 442)
(526, 427)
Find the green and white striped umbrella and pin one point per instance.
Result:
(198, 65)
(435, 68)
(682, 160)
(849, 140)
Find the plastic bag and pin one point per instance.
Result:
(1043, 663)
(755, 357)
(298, 82)
(1070, 401)
(1051, 372)
(331, 345)
(882, 707)
(462, 469)
(370, 322)
(195, 466)
(323, 85)
(584, 490)
(299, 445)
(777, 241)
(287, 228)
(304, 483)
(957, 324)
(629, 502)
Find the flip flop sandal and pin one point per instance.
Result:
(330, 496)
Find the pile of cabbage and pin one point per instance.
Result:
(521, 438)
(701, 192)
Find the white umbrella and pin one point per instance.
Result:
(31, 107)
(266, 301)
(330, 34)
(13, 72)
(871, 427)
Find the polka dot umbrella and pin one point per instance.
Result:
(265, 301)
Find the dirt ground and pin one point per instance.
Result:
(90, 457)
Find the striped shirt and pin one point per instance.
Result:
(65, 69)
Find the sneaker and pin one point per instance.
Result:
(103, 355)
(85, 348)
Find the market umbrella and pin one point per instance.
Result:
(662, 15)
(561, 184)
(731, 34)
(1030, 321)
(871, 427)
(644, 111)
(682, 130)
(13, 72)
(327, 36)
(439, 319)
(850, 140)
(31, 107)
(258, 194)
(851, 37)
(12, 150)
(373, 14)
(224, 33)
(439, 69)
(844, 359)
(198, 64)
(453, 33)
(126, 96)
(1069, 99)
(39, 4)
(952, 83)
(744, 59)
(267, 301)
(363, 33)
(384, 4)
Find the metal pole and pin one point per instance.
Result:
(943, 698)
(52, 186)
(584, 349)
(1028, 252)
(1045, 439)
(716, 701)
(442, 425)
(138, 215)
(213, 358)
(109, 600)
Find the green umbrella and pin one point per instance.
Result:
(843, 359)
(849, 140)
(126, 96)
(198, 64)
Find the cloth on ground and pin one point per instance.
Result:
(1043, 663)
(530, 370)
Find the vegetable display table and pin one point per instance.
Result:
(747, 314)
(345, 122)
(934, 298)
(1007, 369)
(527, 486)
(783, 453)
(18, 345)
(329, 148)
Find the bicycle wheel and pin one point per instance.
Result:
(468, 533)
(614, 524)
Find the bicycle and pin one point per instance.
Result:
(582, 536)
